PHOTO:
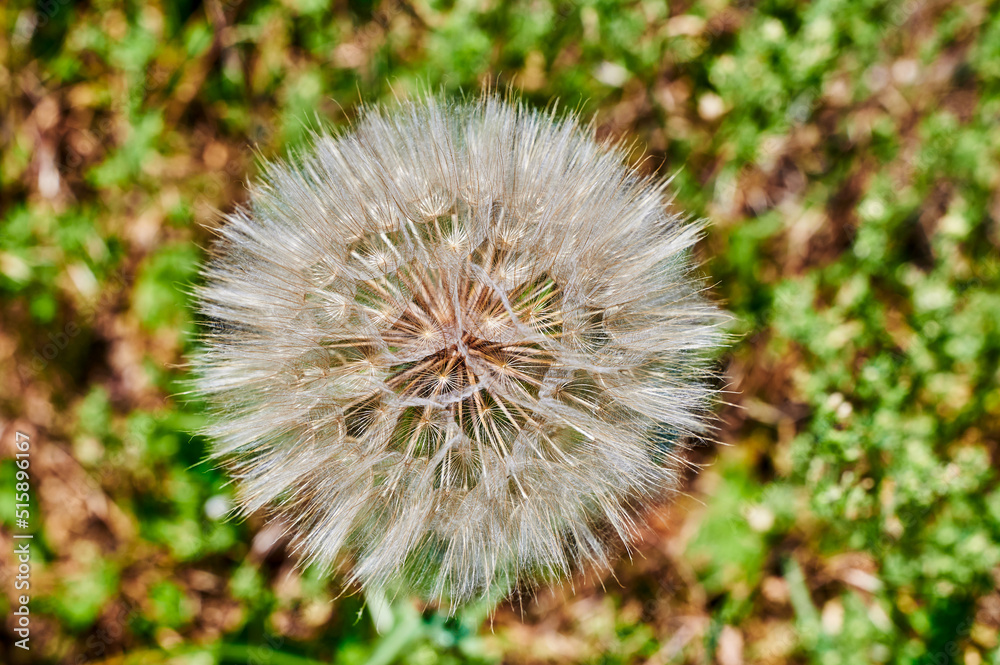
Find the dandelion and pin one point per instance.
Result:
(460, 346)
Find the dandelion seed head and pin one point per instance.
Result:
(459, 345)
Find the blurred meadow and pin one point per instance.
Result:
(847, 153)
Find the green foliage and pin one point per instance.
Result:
(847, 154)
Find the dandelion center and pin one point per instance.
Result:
(464, 348)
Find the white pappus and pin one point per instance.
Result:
(460, 346)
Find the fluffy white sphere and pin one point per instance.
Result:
(460, 343)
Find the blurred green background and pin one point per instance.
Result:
(847, 153)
